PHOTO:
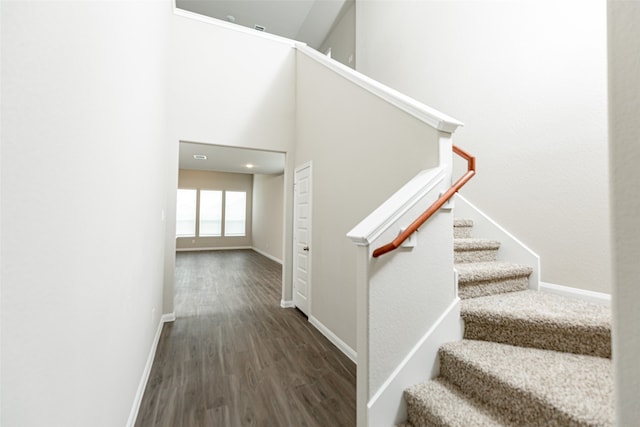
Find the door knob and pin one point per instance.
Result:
(306, 248)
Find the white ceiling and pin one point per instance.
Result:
(230, 159)
(307, 21)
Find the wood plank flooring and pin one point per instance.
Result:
(233, 357)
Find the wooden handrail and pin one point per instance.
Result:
(471, 171)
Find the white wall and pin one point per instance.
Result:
(268, 215)
(228, 87)
(231, 87)
(363, 149)
(528, 79)
(83, 192)
(624, 96)
(342, 38)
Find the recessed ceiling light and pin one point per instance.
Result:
(249, 166)
(200, 157)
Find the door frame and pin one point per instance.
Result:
(309, 238)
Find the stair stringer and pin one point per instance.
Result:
(388, 407)
(511, 249)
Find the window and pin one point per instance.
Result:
(210, 213)
(235, 213)
(207, 210)
(186, 213)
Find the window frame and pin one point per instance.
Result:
(223, 213)
(244, 216)
(195, 213)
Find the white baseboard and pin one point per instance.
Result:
(287, 304)
(224, 248)
(387, 407)
(170, 317)
(263, 253)
(348, 351)
(582, 294)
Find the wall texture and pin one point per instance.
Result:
(83, 200)
(208, 180)
(624, 96)
(528, 79)
(268, 215)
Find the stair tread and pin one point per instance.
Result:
(469, 244)
(438, 402)
(484, 271)
(561, 387)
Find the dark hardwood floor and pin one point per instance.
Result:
(233, 357)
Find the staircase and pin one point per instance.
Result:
(527, 358)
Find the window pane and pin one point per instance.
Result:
(186, 213)
(235, 210)
(210, 213)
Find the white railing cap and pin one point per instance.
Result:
(431, 116)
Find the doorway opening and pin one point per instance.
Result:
(237, 200)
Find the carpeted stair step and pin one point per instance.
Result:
(462, 228)
(439, 403)
(530, 386)
(541, 320)
(487, 278)
(475, 250)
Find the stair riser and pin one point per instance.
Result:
(479, 289)
(462, 232)
(419, 416)
(481, 255)
(438, 404)
(509, 401)
(592, 342)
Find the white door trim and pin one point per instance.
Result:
(309, 237)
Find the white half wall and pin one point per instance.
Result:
(528, 79)
(268, 215)
(84, 147)
(624, 97)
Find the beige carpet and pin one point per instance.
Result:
(527, 358)
(541, 320)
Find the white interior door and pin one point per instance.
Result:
(302, 239)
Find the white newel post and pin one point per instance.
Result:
(362, 285)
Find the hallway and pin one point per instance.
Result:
(233, 357)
